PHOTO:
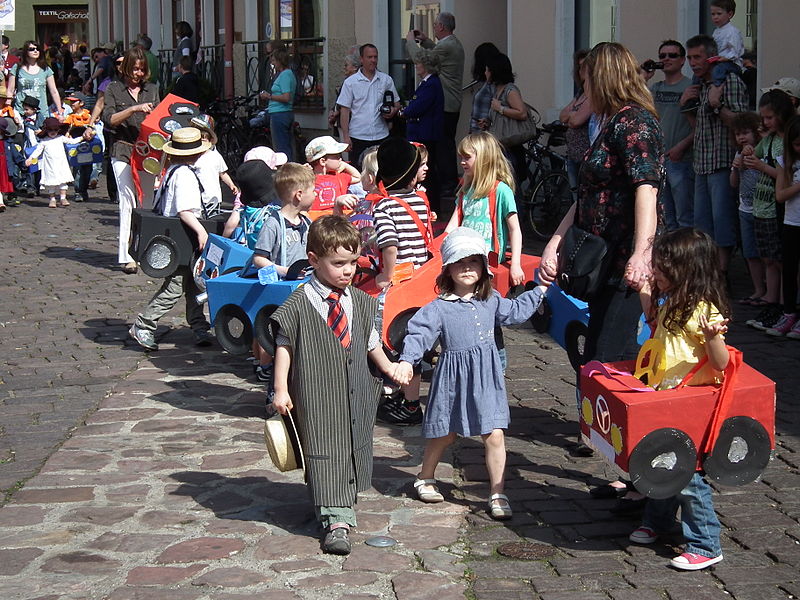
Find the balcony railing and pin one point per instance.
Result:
(305, 60)
(210, 66)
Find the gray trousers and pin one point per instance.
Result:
(179, 283)
(328, 515)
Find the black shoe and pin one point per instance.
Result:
(337, 541)
(608, 491)
(767, 318)
(581, 450)
(264, 373)
(396, 410)
(203, 337)
(628, 506)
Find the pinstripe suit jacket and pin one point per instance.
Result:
(335, 397)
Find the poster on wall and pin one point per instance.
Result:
(7, 14)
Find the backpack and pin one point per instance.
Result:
(251, 222)
(158, 201)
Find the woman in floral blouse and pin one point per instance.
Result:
(617, 198)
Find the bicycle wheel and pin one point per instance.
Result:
(551, 200)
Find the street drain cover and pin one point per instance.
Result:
(526, 550)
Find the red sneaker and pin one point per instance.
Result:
(689, 561)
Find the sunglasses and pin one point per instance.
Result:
(664, 55)
(32, 49)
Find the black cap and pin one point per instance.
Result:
(30, 101)
(397, 160)
(255, 181)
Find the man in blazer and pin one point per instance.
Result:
(450, 54)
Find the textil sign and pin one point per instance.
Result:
(61, 14)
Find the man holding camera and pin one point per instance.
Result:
(678, 193)
(449, 54)
(368, 101)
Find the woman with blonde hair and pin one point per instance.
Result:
(617, 198)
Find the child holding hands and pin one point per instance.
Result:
(324, 333)
(467, 394)
(686, 299)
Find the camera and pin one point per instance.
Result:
(651, 65)
(388, 102)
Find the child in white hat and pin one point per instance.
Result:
(467, 396)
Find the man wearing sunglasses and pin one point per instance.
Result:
(678, 193)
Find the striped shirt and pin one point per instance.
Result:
(316, 292)
(395, 227)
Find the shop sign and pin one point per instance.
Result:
(61, 14)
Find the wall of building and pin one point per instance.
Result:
(25, 25)
(779, 45)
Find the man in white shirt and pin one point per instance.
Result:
(368, 101)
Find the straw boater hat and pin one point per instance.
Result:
(185, 142)
(283, 444)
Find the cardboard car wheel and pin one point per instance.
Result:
(740, 454)
(261, 325)
(233, 329)
(399, 327)
(663, 463)
(541, 317)
(575, 343)
(160, 258)
(296, 269)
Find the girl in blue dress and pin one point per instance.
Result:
(467, 395)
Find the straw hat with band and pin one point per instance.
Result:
(205, 123)
(186, 141)
(283, 444)
(397, 159)
(461, 243)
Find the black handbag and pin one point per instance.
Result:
(583, 263)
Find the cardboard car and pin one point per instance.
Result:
(566, 319)
(659, 439)
(162, 244)
(172, 113)
(220, 256)
(239, 305)
(405, 298)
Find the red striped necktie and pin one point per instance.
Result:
(337, 320)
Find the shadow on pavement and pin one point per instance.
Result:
(93, 258)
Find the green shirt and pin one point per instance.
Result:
(152, 64)
(476, 216)
(768, 149)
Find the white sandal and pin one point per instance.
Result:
(499, 507)
(428, 495)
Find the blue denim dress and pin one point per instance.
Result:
(468, 393)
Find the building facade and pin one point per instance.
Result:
(539, 36)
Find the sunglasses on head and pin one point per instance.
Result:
(664, 55)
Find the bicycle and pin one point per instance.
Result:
(232, 127)
(545, 193)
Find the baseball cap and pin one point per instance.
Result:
(790, 85)
(76, 96)
(322, 146)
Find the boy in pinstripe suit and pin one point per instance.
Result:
(324, 333)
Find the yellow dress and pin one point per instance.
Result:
(683, 350)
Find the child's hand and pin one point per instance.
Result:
(28, 162)
(712, 330)
(346, 202)
(434, 217)
(516, 274)
(282, 402)
(235, 191)
(88, 134)
(752, 162)
(737, 161)
(402, 373)
(747, 150)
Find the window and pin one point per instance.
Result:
(289, 19)
(745, 19)
(595, 22)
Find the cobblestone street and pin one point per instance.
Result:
(134, 476)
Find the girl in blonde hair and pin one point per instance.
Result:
(486, 199)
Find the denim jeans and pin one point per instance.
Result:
(260, 120)
(678, 195)
(719, 72)
(280, 125)
(698, 520)
(715, 207)
(82, 176)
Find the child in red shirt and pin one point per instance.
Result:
(333, 175)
